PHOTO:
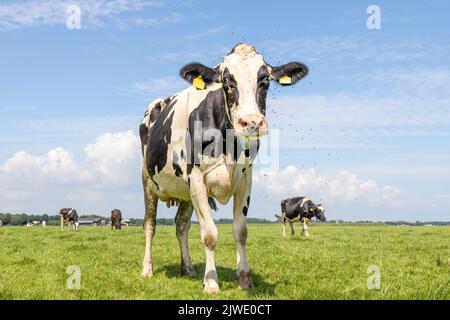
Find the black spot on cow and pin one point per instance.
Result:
(176, 165)
(248, 201)
(245, 210)
(262, 88)
(168, 99)
(143, 134)
(155, 112)
(159, 137)
(210, 114)
(230, 88)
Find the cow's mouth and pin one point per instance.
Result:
(251, 134)
(251, 126)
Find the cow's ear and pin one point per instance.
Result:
(192, 71)
(289, 73)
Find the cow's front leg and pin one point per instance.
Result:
(183, 223)
(283, 223)
(62, 222)
(208, 230)
(241, 204)
(305, 227)
(151, 202)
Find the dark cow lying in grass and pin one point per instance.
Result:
(199, 145)
(70, 216)
(116, 219)
(299, 209)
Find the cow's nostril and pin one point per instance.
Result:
(243, 123)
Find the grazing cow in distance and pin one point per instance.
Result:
(29, 223)
(116, 219)
(199, 145)
(70, 216)
(299, 209)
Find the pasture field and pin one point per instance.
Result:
(331, 264)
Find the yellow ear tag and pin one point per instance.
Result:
(285, 80)
(199, 83)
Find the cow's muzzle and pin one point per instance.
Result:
(252, 125)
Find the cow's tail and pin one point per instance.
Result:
(212, 203)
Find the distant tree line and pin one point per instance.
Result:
(51, 220)
(19, 218)
(418, 223)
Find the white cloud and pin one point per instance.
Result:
(57, 166)
(32, 13)
(111, 162)
(112, 156)
(342, 187)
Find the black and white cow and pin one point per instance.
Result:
(299, 209)
(198, 145)
(71, 216)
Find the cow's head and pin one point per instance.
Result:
(319, 212)
(245, 78)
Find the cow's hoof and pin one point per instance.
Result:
(147, 272)
(212, 290)
(211, 287)
(245, 280)
(188, 273)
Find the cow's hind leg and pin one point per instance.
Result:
(183, 223)
(291, 224)
(151, 202)
(241, 202)
(208, 230)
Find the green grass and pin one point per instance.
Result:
(331, 264)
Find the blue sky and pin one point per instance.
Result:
(366, 133)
